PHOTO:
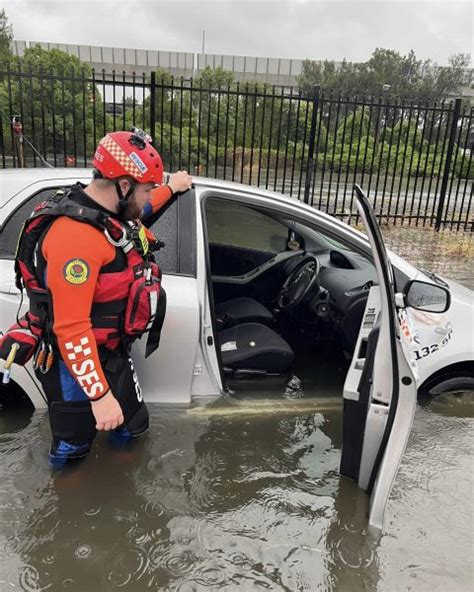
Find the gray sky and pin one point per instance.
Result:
(326, 29)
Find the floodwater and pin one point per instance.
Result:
(241, 495)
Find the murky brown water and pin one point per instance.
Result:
(243, 501)
(246, 497)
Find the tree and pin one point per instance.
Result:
(54, 101)
(404, 75)
(213, 79)
(6, 38)
(443, 82)
(347, 78)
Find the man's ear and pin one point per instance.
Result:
(124, 186)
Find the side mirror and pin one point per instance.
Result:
(426, 296)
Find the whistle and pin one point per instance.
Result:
(8, 363)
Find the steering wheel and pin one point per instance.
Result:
(300, 281)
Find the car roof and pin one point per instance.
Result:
(14, 180)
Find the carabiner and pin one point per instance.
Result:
(40, 356)
(48, 360)
(120, 243)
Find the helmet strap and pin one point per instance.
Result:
(123, 199)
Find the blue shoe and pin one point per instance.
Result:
(120, 436)
(63, 452)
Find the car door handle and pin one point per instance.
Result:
(9, 289)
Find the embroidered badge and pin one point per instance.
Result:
(76, 271)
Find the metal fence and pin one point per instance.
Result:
(414, 160)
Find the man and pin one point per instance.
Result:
(94, 288)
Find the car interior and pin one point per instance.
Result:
(288, 298)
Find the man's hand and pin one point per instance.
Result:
(180, 181)
(107, 412)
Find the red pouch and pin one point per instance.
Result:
(26, 340)
(142, 306)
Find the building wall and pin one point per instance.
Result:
(277, 71)
(119, 60)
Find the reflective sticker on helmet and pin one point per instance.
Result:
(76, 271)
(122, 158)
(139, 162)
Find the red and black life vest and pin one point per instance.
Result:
(128, 299)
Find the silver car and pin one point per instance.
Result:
(256, 282)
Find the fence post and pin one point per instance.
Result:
(447, 165)
(312, 137)
(2, 143)
(153, 106)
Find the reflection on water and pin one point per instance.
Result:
(234, 501)
(428, 545)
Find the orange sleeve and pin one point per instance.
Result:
(159, 197)
(74, 254)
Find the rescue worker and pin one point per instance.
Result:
(94, 287)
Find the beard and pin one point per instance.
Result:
(133, 211)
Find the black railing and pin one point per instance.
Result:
(415, 160)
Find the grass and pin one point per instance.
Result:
(443, 243)
(458, 244)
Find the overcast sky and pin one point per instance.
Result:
(315, 29)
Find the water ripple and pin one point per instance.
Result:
(83, 552)
(178, 563)
(152, 510)
(30, 580)
(128, 567)
(92, 511)
(138, 536)
(354, 556)
(241, 560)
(211, 576)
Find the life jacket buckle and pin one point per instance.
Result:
(121, 242)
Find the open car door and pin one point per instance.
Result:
(380, 388)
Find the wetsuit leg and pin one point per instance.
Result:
(123, 381)
(70, 415)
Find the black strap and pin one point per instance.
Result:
(106, 322)
(153, 341)
(109, 309)
(123, 199)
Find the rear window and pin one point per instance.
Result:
(11, 229)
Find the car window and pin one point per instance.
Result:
(11, 229)
(236, 225)
(166, 230)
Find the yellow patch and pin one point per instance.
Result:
(76, 271)
(143, 240)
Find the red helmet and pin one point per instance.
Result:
(128, 154)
